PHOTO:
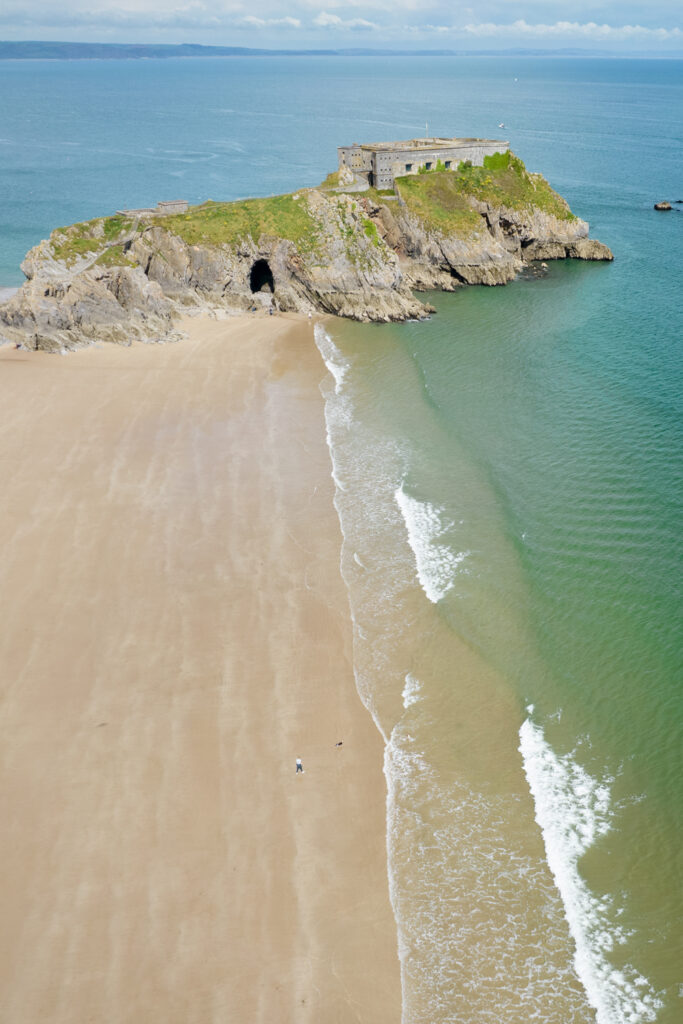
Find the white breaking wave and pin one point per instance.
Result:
(446, 844)
(411, 691)
(334, 361)
(573, 811)
(465, 899)
(436, 563)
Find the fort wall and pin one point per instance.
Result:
(380, 163)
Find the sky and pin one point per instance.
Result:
(618, 25)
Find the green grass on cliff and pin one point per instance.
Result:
(331, 181)
(227, 223)
(115, 226)
(71, 246)
(436, 200)
(114, 256)
(370, 229)
(68, 244)
(440, 198)
(505, 181)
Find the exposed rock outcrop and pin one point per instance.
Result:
(579, 249)
(119, 304)
(355, 256)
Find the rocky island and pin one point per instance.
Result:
(332, 249)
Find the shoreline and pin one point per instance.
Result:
(469, 880)
(177, 633)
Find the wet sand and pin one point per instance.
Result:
(175, 632)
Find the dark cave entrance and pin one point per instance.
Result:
(261, 277)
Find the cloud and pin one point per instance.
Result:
(402, 23)
(438, 29)
(147, 15)
(325, 20)
(587, 30)
(254, 22)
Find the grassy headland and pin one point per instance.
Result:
(226, 223)
(211, 223)
(68, 244)
(440, 198)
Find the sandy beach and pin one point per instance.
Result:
(175, 633)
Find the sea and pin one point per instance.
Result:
(509, 483)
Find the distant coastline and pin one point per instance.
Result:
(47, 50)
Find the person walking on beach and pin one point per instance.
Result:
(299, 766)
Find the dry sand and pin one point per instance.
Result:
(175, 632)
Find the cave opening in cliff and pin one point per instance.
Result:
(261, 277)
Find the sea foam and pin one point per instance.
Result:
(436, 563)
(411, 691)
(467, 898)
(334, 361)
(573, 810)
(448, 856)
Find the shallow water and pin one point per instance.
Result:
(521, 485)
(509, 487)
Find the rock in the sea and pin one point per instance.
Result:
(663, 206)
(352, 255)
(578, 249)
(589, 249)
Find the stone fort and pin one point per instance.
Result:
(379, 163)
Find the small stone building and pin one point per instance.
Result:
(379, 163)
(164, 208)
(169, 206)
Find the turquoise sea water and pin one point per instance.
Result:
(509, 487)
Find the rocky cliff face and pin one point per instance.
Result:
(358, 256)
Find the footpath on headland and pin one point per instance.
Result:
(175, 634)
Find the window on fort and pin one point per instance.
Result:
(448, 165)
(409, 167)
(261, 277)
(428, 165)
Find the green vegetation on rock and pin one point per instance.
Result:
(356, 253)
(115, 256)
(438, 202)
(370, 229)
(498, 161)
(115, 226)
(505, 181)
(331, 181)
(226, 223)
(345, 223)
(440, 198)
(68, 244)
